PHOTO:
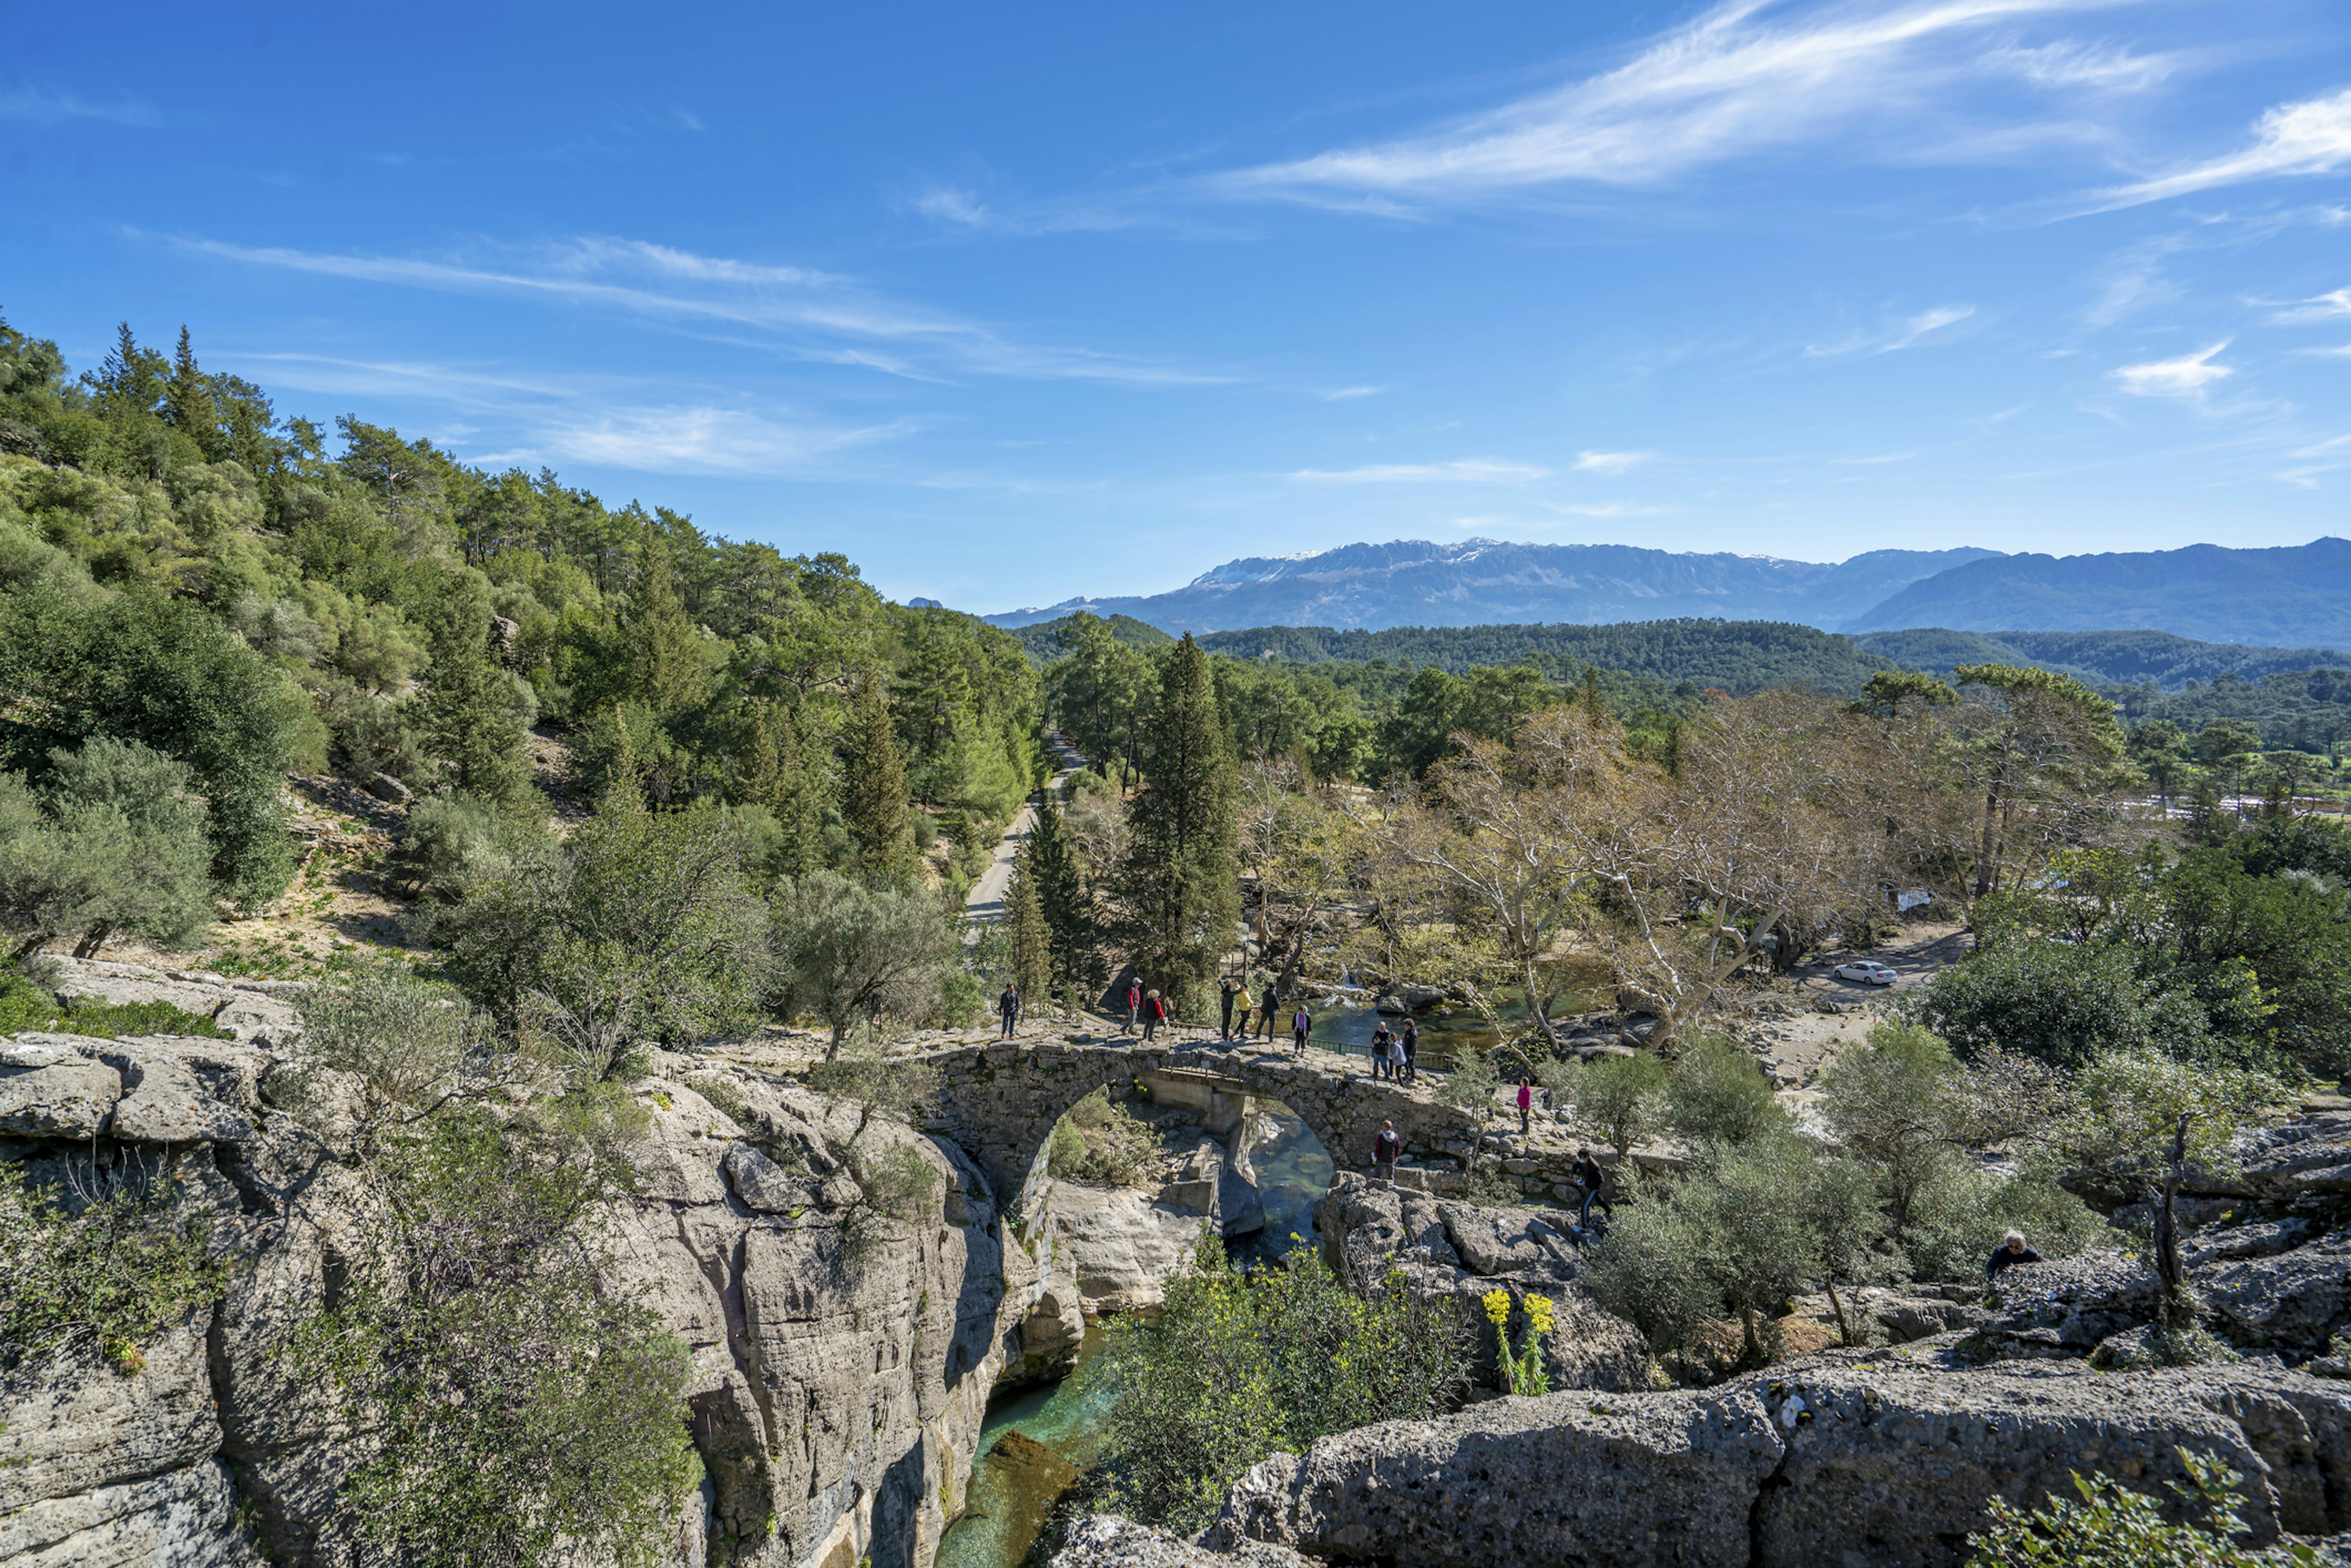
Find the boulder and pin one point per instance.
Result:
(763, 1185)
(2297, 1301)
(2066, 1307)
(169, 1097)
(72, 1099)
(386, 787)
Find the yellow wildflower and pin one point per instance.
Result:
(1539, 1314)
(1497, 1307)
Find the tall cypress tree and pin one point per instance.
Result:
(777, 774)
(188, 402)
(1182, 872)
(1061, 899)
(1024, 920)
(665, 648)
(472, 722)
(873, 791)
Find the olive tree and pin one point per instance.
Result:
(844, 951)
(2148, 1116)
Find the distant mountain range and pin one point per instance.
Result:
(2291, 594)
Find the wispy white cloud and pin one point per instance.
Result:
(1905, 334)
(2069, 64)
(1610, 462)
(2332, 305)
(46, 106)
(2183, 376)
(1348, 394)
(1468, 470)
(1726, 86)
(701, 441)
(605, 421)
(2312, 137)
(812, 314)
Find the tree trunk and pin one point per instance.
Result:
(2178, 1302)
(1844, 1333)
(840, 1033)
(1754, 1341)
(93, 939)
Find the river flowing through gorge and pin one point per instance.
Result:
(1037, 1441)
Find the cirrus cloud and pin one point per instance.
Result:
(2183, 376)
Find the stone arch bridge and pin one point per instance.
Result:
(999, 1101)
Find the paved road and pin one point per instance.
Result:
(984, 902)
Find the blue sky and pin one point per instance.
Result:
(1011, 303)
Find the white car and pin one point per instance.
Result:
(1868, 971)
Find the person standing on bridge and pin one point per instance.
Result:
(1242, 1015)
(1227, 991)
(1386, 1149)
(1382, 1052)
(1408, 1043)
(1133, 1003)
(1301, 1024)
(1270, 1001)
(1526, 1104)
(1007, 1007)
(1155, 1012)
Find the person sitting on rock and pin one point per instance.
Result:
(2011, 1251)
(1386, 1149)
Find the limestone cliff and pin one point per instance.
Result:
(837, 1399)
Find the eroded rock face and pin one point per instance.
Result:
(1118, 1246)
(843, 1357)
(1868, 1465)
(256, 1012)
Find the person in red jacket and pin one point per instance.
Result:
(1154, 1013)
(1526, 1105)
(1134, 1004)
(1386, 1149)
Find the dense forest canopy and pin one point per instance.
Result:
(252, 600)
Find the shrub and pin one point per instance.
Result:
(524, 1401)
(26, 1004)
(1234, 1366)
(1719, 1094)
(97, 1270)
(1960, 1218)
(1619, 1097)
(405, 1045)
(1650, 1270)
(1101, 1141)
(891, 1085)
(2111, 1526)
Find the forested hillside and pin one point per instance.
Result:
(238, 595)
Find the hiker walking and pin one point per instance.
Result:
(1007, 1007)
(1588, 1177)
(1301, 1024)
(1271, 1001)
(1526, 1105)
(1386, 1149)
(1241, 1005)
(2011, 1251)
(1226, 993)
(1408, 1047)
(1155, 1012)
(1133, 1003)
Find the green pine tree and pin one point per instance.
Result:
(1182, 875)
(873, 789)
(188, 402)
